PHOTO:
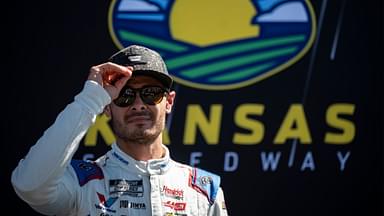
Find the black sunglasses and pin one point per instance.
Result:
(150, 95)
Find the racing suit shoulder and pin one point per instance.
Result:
(206, 183)
(86, 171)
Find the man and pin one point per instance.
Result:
(137, 176)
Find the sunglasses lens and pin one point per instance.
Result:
(152, 95)
(127, 97)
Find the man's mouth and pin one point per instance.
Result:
(137, 118)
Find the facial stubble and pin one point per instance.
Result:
(138, 134)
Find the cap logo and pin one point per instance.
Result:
(135, 58)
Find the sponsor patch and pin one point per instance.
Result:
(86, 171)
(105, 204)
(174, 193)
(132, 205)
(178, 206)
(174, 214)
(206, 183)
(119, 187)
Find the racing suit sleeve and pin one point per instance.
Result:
(44, 178)
(218, 208)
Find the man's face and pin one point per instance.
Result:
(139, 122)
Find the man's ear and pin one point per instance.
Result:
(170, 101)
(168, 108)
(107, 111)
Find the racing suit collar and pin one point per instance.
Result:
(150, 167)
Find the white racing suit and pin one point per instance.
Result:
(52, 183)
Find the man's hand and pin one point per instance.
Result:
(111, 76)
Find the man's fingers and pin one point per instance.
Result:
(112, 67)
(109, 73)
(121, 82)
(111, 76)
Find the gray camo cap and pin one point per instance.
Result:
(145, 62)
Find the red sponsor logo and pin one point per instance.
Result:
(178, 206)
(177, 193)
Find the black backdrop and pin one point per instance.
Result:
(50, 45)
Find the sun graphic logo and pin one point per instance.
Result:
(217, 44)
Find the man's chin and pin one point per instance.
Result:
(141, 126)
(143, 130)
(142, 137)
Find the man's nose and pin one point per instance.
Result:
(138, 104)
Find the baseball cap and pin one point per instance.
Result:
(144, 61)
